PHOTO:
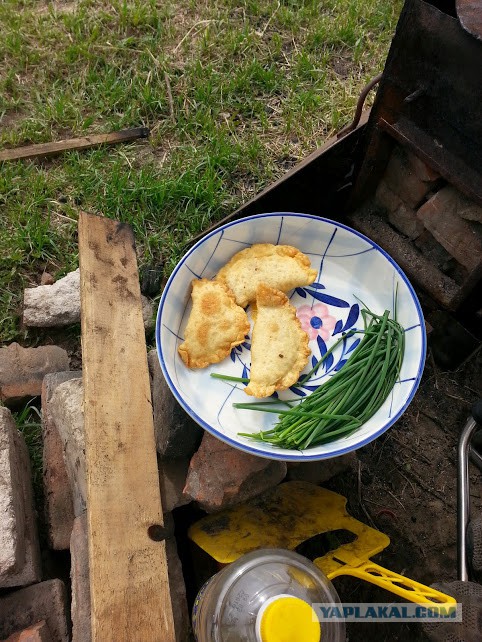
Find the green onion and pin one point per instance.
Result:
(347, 400)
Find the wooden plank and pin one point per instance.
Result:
(86, 142)
(128, 571)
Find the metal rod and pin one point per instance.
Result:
(463, 497)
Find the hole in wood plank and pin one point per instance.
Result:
(157, 532)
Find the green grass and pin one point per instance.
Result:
(233, 92)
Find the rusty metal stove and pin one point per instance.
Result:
(428, 109)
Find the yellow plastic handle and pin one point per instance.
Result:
(399, 584)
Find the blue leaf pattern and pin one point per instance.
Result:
(328, 362)
(297, 391)
(301, 292)
(317, 286)
(245, 372)
(314, 361)
(340, 365)
(353, 346)
(329, 300)
(338, 327)
(352, 317)
(321, 345)
(233, 356)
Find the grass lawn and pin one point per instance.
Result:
(234, 93)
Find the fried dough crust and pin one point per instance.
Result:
(279, 346)
(215, 326)
(282, 267)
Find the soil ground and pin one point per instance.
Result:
(407, 487)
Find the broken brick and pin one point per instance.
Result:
(220, 475)
(59, 511)
(22, 370)
(36, 633)
(459, 237)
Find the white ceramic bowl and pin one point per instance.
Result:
(350, 267)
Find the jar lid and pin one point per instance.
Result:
(285, 618)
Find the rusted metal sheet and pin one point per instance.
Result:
(432, 81)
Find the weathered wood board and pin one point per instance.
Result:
(128, 570)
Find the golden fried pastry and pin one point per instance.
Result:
(215, 326)
(279, 346)
(280, 266)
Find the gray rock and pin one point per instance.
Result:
(67, 412)
(58, 305)
(19, 547)
(177, 435)
(44, 601)
(53, 305)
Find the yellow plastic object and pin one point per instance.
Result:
(293, 512)
(289, 619)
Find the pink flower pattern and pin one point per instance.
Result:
(316, 321)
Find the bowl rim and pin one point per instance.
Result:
(274, 454)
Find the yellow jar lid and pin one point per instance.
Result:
(289, 619)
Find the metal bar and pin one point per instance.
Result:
(463, 498)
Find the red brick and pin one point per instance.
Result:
(43, 601)
(459, 237)
(402, 179)
(421, 169)
(387, 199)
(405, 220)
(36, 633)
(220, 475)
(22, 370)
(59, 509)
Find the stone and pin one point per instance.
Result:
(22, 370)
(319, 472)
(220, 475)
(80, 606)
(177, 588)
(67, 413)
(459, 237)
(402, 179)
(36, 633)
(177, 435)
(43, 601)
(53, 305)
(19, 547)
(47, 279)
(172, 479)
(59, 508)
(79, 575)
(58, 305)
(148, 313)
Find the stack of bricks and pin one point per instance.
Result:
(438, 220)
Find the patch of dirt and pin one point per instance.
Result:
(57, 6)
(408, 488)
